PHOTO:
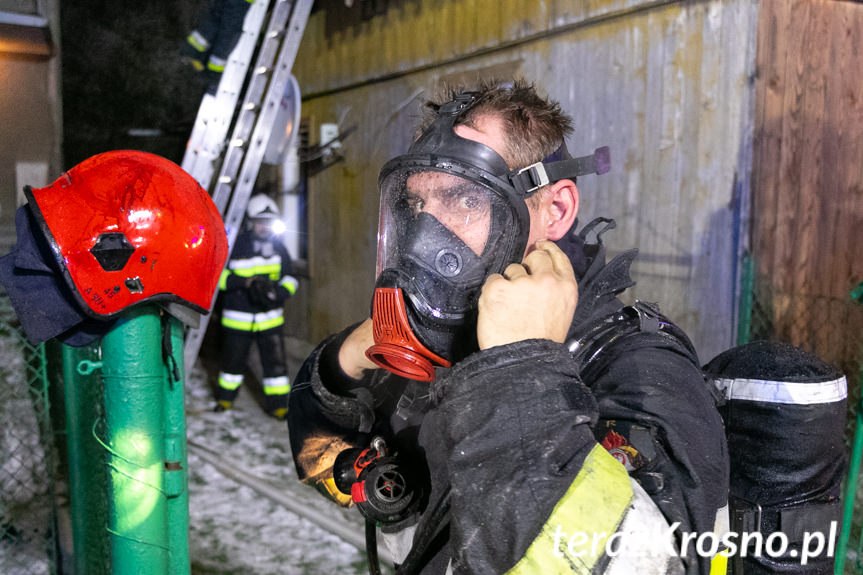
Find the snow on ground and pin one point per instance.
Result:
(235, 530)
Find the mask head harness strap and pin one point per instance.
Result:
(559, 166)
(463, 157)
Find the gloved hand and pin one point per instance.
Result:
(262, 292)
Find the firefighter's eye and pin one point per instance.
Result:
(413, 204)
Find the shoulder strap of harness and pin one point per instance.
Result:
(643, 317)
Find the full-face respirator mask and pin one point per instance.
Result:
(451, 214)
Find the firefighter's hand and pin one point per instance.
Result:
(352, 355)
(262, 292)
(535, 299)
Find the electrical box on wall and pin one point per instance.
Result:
(329, 141)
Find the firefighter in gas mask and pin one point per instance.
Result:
(255, 285)
(468, 383)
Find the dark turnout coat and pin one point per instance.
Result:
(515, 440)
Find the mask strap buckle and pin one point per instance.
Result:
(529, 179)
(461, 102)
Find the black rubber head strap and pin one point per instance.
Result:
(528, 180)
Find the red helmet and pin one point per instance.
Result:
(128, 227)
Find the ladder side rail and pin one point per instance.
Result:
(249, 111)
(253, 159)
(216, 112)
(263, 128)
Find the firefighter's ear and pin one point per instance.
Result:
(556, 210)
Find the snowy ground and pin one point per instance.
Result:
(233, 528)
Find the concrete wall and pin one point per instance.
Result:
(666, 84)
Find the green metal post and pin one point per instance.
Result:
(850, 493)
(853, 469)
(176, 465)
(133, 375)
(87, 478)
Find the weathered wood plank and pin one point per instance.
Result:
(835, 151)
(844, 142)
(789, 160)
(434, 31)
(773, 26)
(808, 233)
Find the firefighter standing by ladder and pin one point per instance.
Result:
(255, 284)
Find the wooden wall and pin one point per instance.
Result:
(668, 85)
(808, 173)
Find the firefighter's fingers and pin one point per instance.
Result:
(548, 254)
(514, 271)
(538, 261)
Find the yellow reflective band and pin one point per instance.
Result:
(225, 383)
(269, 324)
(290, 284)
(279, 385)
(592, 508)
(237, 324)
(244, 325)
(271, 270)
(197, 41)
(719, 564)
(212, 66)
(223, 279)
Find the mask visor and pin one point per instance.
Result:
(467, 210)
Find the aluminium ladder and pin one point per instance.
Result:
(241, 155)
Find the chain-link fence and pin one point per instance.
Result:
(27, 512)
(830, 327)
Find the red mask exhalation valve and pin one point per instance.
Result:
(396, 347)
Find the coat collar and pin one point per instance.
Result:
(599, 283)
